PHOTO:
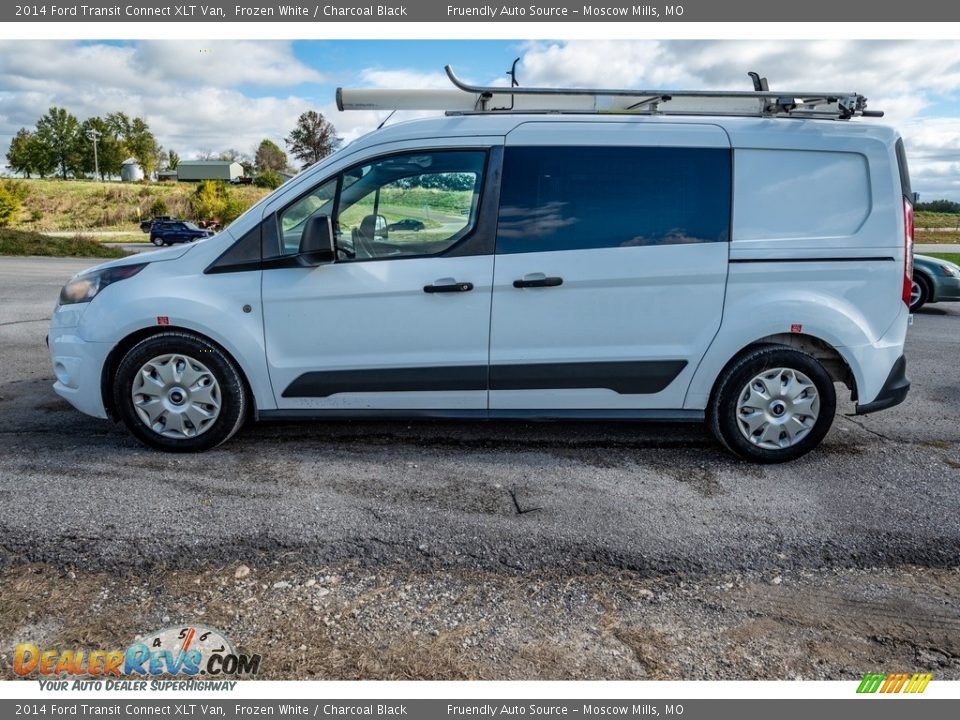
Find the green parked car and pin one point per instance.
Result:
(934, 280)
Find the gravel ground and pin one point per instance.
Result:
(569, 549)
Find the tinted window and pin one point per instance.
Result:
(566, 198)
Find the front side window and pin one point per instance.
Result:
(407, 205)
(570, 198)
(318, 201)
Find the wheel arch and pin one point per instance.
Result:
(119, 350)
(840, 363)
(826, 354)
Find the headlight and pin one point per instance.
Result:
(84, 288)
(950, 270)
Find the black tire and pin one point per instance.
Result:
(924, 284)
(233, 397)
(156, 241)
(722, 412)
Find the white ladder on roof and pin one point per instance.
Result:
(471, 99)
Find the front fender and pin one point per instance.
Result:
(213, 307)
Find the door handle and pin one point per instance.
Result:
(538, 280)
(446, 286)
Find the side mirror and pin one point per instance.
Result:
(316, 243)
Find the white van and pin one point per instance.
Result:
(651, 265)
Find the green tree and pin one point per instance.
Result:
(143, 146)
(18, 156)
(268, 179)
(269, 156)
(138, 141)
(313, 138)
(59, 131)
(20, 189)
(110, 152)
(209, 200)
(9, 207)
(42, 157)
(213, 200)
(172, 160)
(940, 206)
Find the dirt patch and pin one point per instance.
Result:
(349, 622)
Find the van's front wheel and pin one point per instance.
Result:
(773, 404)
(180, 393)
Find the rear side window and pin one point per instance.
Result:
(799, 194)
(569, 198)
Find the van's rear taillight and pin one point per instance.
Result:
(907, 250)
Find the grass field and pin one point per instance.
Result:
(951, 257)
(26, 242)
(922, 219)
(89, 205)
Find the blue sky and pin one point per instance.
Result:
(201, 96)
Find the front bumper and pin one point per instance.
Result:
(893, 392)
(946, 289)
(78, 365)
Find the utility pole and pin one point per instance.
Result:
(94, 135)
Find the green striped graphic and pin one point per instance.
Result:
(871, 682)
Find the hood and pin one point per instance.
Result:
(928, 260)
(171, 253)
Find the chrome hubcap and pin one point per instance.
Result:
(176, 396)
(914, 293)
(778, 408)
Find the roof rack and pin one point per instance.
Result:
(474, 99)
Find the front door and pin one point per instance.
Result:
(401, 320)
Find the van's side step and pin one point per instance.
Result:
(464, 414)
(893, 392)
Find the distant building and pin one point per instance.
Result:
(209, 170)
(130, 171)
(168, 175)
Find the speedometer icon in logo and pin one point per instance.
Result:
(184, 638)
(188, 650)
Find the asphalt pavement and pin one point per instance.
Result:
(659, 499)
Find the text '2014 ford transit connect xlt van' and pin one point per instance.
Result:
(535, 253)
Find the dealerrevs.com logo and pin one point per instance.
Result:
(192, 651)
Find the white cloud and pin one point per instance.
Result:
(223, 64)
(197, 95)
(188, 97)
(902, 78)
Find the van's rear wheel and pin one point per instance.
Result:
(180, 393)
(773, 404)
